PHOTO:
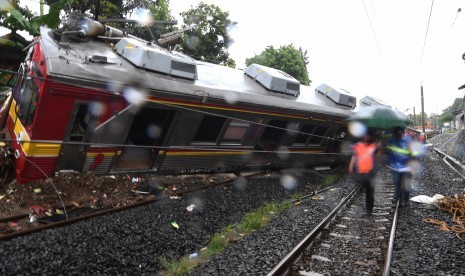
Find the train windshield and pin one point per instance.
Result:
(26, 96)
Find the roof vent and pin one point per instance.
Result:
(341, 96)
(274, 80)
(155, 58)
(368, 100)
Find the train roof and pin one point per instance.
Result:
(73, 63)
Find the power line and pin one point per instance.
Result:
(426, 34)
(374, 33)
(459, 10)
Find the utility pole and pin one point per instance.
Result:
(97, 9)
(422, 110)
(414, 117)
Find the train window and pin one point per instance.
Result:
(27, 98)
(273, 135)
(209, 129)
(235, 132)
(318, 135)
(150, 125)
(335, 144)
(304, 134)
(16, 81)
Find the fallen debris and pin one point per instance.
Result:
(456, 206)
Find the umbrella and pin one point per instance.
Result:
(380, 117)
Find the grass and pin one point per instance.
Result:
(177, 267)
(330, 179)
(251, 222)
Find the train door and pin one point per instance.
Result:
(73, 151)
(149, 129)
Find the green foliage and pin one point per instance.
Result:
(447, 116)
(286, 58)
(330, 179)
(456, 105)
(217, 244)
(108, 8)
(15, 18)
(174, 267)
(210, 40)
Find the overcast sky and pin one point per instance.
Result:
(343, 51)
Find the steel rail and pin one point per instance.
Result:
(452, 162)
(308, 195)
(388, 260)
(282, 268)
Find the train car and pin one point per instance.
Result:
(87, 101)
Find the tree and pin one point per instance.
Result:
(107, 8)
(210, 40)
(446, 115)
(16, 18)
(286, 58)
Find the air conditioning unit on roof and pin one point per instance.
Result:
(274, 79)
(155, 58)
(341, 96)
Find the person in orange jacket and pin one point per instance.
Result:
(363, 162)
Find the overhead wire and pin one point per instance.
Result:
(458, 11)
(374, 33)
(426, 34)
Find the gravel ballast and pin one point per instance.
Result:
(132, 242)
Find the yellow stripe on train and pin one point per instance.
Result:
(106, 154)
(32, 149)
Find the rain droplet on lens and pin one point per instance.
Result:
(292, 128)
(283, 153)
(144, 17)
(357, 129)
(134, 96)
(153, 131)
(288, 182)
(96, 109)
(346, 148)
(415, 166)
(240, 183)
(116, 128)
(230, 97)
(193, 42)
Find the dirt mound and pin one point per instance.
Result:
(88, 190)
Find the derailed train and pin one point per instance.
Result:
(87, 101)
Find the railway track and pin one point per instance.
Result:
(347, 241)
